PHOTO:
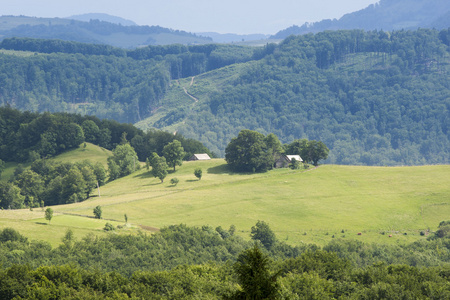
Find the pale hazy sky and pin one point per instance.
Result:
(232, 16)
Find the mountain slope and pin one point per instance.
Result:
(372, 98)
(385, 15)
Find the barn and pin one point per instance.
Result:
(202, 156)
(285, 160)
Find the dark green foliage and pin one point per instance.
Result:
(253, 272)
(12, 235)
(181, 262)
(198, 173)
(49, 214)
(262, 232)
(123, 162)
(159, 167)
(444, 230)
(295, 164)
(2, 167)
(98, 212)
(174, 181)
(10, 197)
(315, 151)
(109, 227)
(248, 152)
(174, 153)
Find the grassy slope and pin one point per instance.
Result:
(300, 206)
(33, 224)
(91, 152)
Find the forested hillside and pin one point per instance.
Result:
(383, 15)
(376, 98)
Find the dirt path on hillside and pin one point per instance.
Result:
(186, 91)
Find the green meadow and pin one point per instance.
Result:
(302, 206)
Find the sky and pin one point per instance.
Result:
(222, 16)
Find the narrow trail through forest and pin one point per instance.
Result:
(186, 91)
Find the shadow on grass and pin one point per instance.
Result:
(224, 169)
(41, 223)
(192, 180)
(157, 183)
(144, 175)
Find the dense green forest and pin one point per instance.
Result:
(374, 98)
(181, 262)
(100, 80)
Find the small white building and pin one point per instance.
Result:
(202, 156)
(285, 160)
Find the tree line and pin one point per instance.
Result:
(181, 262)
(48, 182)
(27, 136)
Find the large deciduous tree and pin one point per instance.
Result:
(248, 152)
(262, 232)
(159, 167)
(316, 151)
(174, 153)
(123, 162)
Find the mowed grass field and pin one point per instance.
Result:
(312, 206)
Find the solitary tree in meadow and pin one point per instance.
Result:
(48, 214)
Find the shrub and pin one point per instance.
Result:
(98, 212)
(108, 227)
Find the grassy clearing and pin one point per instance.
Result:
(300, 206)
(33, 225)
(312, 206)
(92, 152)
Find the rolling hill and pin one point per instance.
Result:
(307, 206)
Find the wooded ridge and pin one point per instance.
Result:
(374, 98)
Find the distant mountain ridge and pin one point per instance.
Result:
(95, 31)
(103, 17)
(384, 15)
